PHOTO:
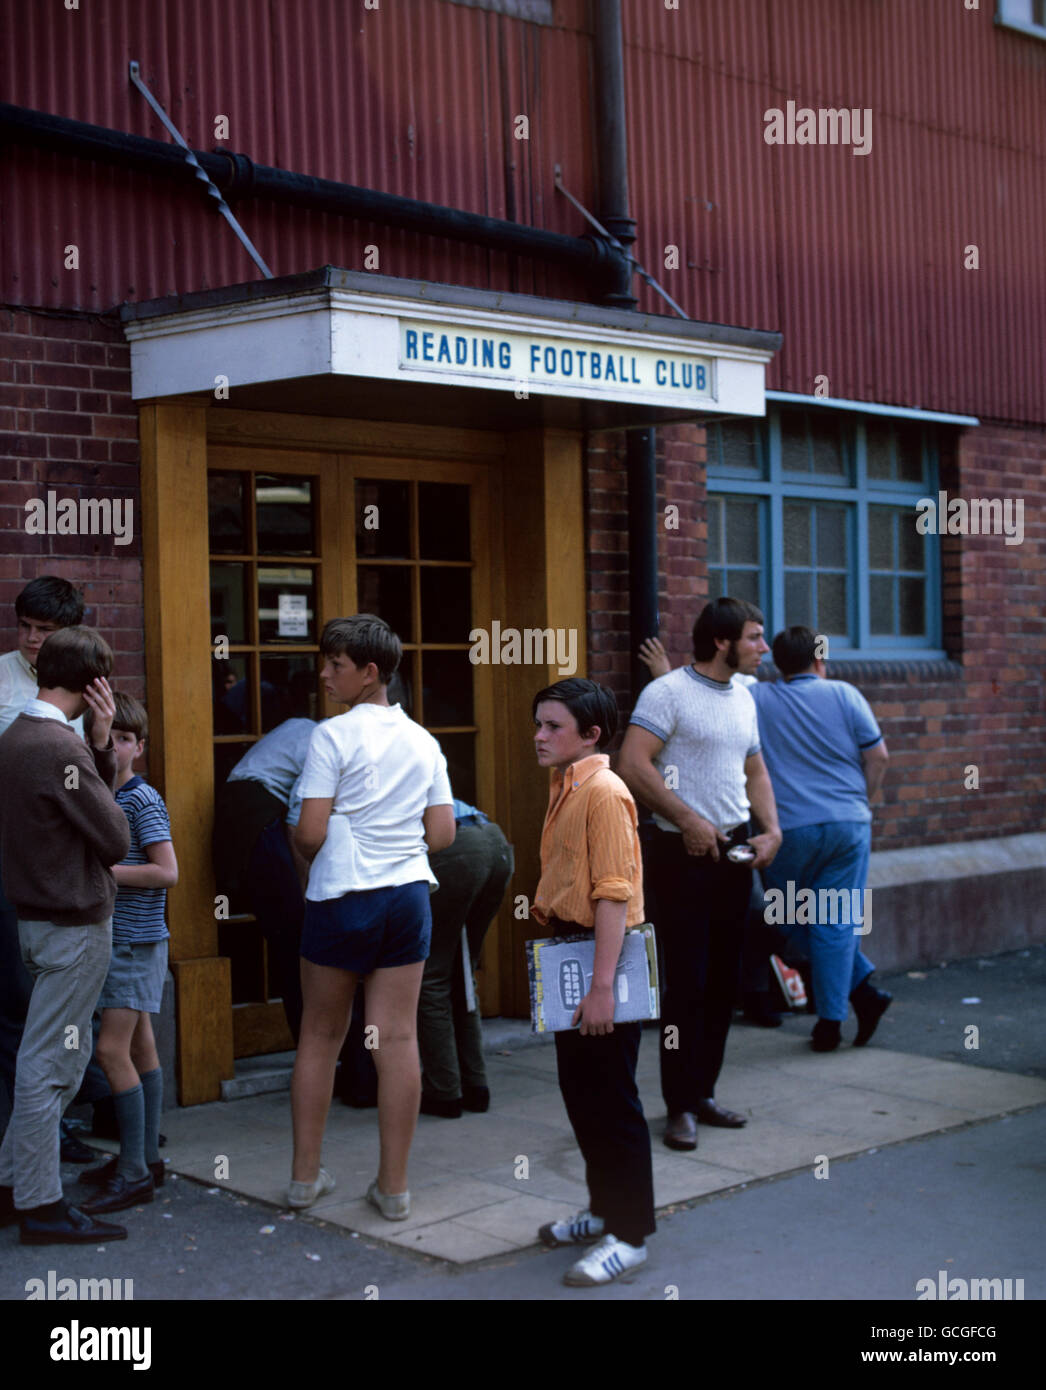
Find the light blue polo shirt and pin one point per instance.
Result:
(813, 733)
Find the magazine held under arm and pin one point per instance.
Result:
(560, 973)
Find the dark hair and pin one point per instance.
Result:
(51, 600)
(795, 650)
(722, 619)
(363, 638)
(72, 658)
(592, 705)
(130, 716)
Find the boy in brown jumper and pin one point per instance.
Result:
(60, 830)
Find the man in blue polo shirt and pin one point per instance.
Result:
(827, 758)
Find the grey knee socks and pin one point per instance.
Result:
(152, 1086)
(130, 1117)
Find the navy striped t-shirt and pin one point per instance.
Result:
(138, 914)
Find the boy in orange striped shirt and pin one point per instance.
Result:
(592, 879)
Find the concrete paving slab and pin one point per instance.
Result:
(453, 1240)
(518, 1220)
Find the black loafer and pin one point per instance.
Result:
(869, 1005)
(445, 1109)
(98, 1177)
(708, 1113)
(476, 1099)
(74, 1150)
(118, 1194)
(826, 1036)
(69, 1227)
(681, 1131)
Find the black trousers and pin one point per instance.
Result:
(701, 911)
(597, 1076)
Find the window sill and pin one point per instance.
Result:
(921, 667)
(1031, 31)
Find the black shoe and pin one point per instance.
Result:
(8, 1212)
(757, 1010)
(98, 1177)
(445, 1109)
(118, 1194)
(67, 1226)
(75, 1151)
(869, 1005)
(476, 1099)
(826, 1036)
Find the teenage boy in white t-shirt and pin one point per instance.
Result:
(375, 797)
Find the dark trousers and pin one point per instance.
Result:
(597, 1076)
(278, 904)
(16, 985)
(473, 874)
(702, 906)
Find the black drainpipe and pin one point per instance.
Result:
(238, 177)
(641, 457)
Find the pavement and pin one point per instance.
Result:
(859, 1172)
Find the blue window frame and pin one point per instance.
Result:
(811, 514)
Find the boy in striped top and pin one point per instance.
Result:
(133, 988)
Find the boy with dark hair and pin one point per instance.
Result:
(133, 988)
(60, 830)
(592, 879)
(44, 605)
(375, 795)
(723, 619)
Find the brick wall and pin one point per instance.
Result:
(67, 425)
(984, 708)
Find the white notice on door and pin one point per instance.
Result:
(293, 616)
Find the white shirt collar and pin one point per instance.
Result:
(42, 709)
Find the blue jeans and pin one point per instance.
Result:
(833, 854)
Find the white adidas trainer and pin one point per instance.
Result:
(607, 1261)
(582, 1229)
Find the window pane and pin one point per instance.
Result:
(443, 521)
(878, 450)
(226, 516)
(910, 453)
(716, 584)
(231, 693)
(795, 443)
(743, 584)
(798, 600)
(831, 537)
(826, 437)
(738, 447)
(287, 603)
(385, 591)
(289, 689)
(831, 603)
(460, 753)
(715, 530)
(913, 607)
(284, 515)
(742, 533)
(446, 605)
(880, 597)
(797, 534)
(229, 602)
(447, 687)
(880, 538)
(382, 519)
(912, 546)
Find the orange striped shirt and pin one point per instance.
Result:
(589, 846)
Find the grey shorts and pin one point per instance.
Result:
(136, 976)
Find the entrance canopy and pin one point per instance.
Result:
(347, 343)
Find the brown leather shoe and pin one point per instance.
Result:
(711, 1114)
(681, 1131)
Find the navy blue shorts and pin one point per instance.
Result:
(370, 930)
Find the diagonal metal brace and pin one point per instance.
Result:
(211, 188)
(595, 222)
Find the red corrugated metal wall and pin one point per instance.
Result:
(857, 259)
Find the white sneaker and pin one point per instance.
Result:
(303, 1194)
(610, 1259)
(580, 1230)
(394, 1206)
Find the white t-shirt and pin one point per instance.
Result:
(383, 771)
(708, 730)
(18, 685)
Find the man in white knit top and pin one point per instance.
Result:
(691, 754)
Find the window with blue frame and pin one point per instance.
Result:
(811, 515)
